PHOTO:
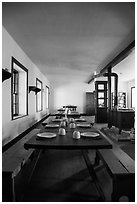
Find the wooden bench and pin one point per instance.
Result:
(121, 168)
(13, 160)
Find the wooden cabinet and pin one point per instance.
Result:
(123, 119)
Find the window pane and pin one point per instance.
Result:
(101, 86)
(100, 94)
(101, 103)
(39, 96)
(47, 97)
(19, 89)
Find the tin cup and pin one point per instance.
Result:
(65, 120)
(72, 125)
(76, 135)
(71, 120)
(62, 131)
(63, 124)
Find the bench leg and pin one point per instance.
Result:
(8, 188)
(36, 159)
(97, 159)
(93, 175)
(123, 186)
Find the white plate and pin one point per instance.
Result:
(80, 119)
(52, 125)
(46, 135)
(83, 125)
(90, 134)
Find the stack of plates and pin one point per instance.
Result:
(46, 135)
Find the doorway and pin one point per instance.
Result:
(101, 101)
(90, 103)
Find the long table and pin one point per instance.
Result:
(72, 114)
(68, 142)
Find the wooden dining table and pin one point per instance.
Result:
(68, 142)
(72, 114)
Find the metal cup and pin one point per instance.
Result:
(63, 124)
(71, 120)
(62, 131)
(76, 135)
(72, 125)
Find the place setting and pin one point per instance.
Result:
(52, 125)
(46, 135)
(93, 135)
(80, 120)
(78, 135)
(84, 125)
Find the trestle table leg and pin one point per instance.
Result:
(93, 174)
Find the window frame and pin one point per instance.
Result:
(132, 96)
(14, 61)
(37, 110)
(15, 85)
(47, 94)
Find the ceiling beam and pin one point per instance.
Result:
(121, 56)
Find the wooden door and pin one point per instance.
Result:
(101, 101)
(90, 103)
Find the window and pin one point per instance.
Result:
(133, 97)
(121, 100)
(47, 97)
(100, 86)
(19, 90)
(39, 96)
(15, 92)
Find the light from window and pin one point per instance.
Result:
(39, 96)
(19, 84)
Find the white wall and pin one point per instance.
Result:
(126, 76)
(12, 128)
(69, 94)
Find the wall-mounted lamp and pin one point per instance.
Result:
(5, 74)
(34, 88)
